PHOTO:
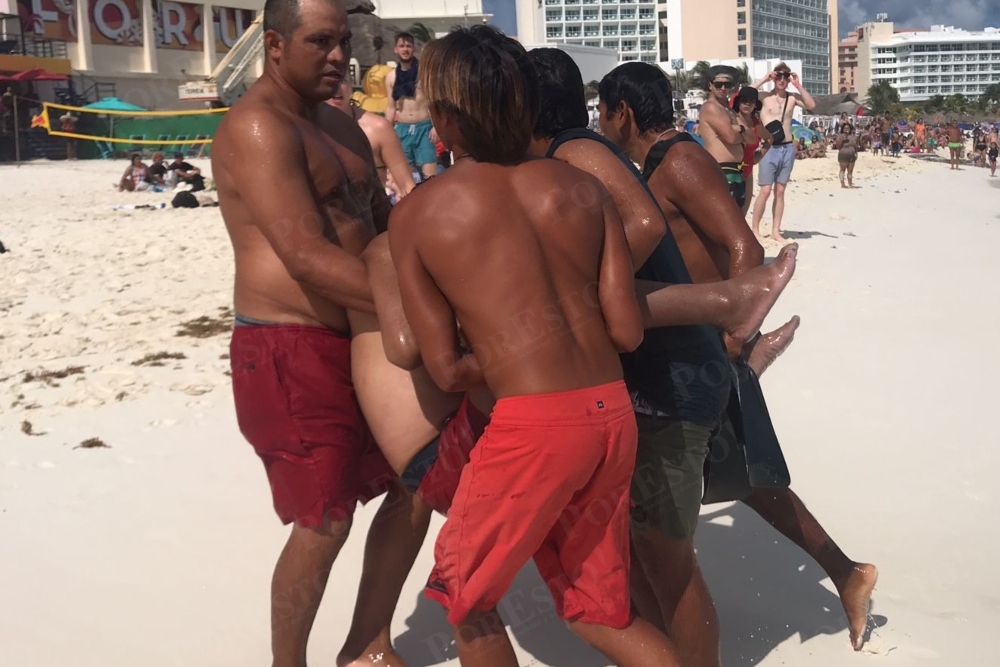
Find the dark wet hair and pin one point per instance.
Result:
(134, 156)
(483, 80)
(282, 16)
(563, 101)
(645, 89)
(405, 36)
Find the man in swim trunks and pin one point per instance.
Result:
(680, 175)
(955, 142)
(678, 377)
(407, 109)
(776, 168)
(296, 241)
(386, 149)
(723, 132)
(544, 313)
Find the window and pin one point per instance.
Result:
(553, 15)
(553, 31)
(741, 35)
(741, 3)
(741, 51)
(741, 17)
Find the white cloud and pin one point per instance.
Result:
(967, 14)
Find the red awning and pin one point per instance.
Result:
(34, 75)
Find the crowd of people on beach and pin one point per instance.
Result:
(544, 342)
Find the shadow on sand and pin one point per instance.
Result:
(792, 235)
(766, 591)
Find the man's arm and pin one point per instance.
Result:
(616, 285)
(286, 213)
(390, 105)
(394, 159)
(426, 308)
(804, 99)
(398, 339)
(642, 219)
(766, 139)
(721, 124)
(769, 77)
(698, 189)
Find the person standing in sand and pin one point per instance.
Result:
(724, 133)
(297, 240)
(680, 175)
(407, 109)
(776, 168)
(955, 143)
(544, 313)
(747, 105)
(991, 154)
(847, 154)
(386, 149)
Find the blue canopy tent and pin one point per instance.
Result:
(110, 104)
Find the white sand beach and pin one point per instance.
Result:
(157, 549)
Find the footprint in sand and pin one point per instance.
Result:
(163, 423)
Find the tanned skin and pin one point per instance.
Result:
(297, 242)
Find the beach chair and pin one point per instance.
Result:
(164, 138)
(106, 149)
(196, 150)
(179, 147)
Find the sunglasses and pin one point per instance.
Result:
(719, 85)
(783, 75)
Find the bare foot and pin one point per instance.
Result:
(754, 294)
(855, 595)
(763, 351)
(778, 237)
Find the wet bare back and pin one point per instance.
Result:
(516, 252)
(287, 183)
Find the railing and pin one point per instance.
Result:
(43, 48)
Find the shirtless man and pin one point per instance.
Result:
(296, 242)
(724, 134)
(955, 143)
(386, 149)
(544, 313)
(408, 109)
(776, 167)
(678, 377)
(681, 175)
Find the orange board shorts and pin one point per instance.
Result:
(295, 404)
(549, 479)
(454, 448)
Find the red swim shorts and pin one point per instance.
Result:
(455, 444)
(295, 404)
(549, 479)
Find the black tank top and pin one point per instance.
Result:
(405, 84)
(682, 371)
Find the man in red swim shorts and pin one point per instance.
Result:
(545, 313)
(296, 241)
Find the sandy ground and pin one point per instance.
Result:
(157, 549)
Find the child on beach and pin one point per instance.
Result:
(992, 154)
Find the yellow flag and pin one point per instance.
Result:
(41, 120)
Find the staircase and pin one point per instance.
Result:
(37, 144)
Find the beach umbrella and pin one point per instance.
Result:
(689, 128)
(800, 131)
(113, 104)
(38, 74)
(902, 126)
(965, 127)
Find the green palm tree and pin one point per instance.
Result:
(989, 100)
(591, 89)
(935, 103)
(881, 97)
(698, 74)
(421, 33)
(680, 82)
(743, 76)
(956, 104)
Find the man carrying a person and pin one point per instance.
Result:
(776, 167)
(682, 178)
(407, 109)
(300, 199)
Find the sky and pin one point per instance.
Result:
(967, 14)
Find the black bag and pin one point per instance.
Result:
(745, 454)
(185, 200)
(777, 131)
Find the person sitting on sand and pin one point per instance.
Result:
(187, 173)
(134, 178)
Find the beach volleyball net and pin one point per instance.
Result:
(117, 131)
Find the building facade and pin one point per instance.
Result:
(629, 27)
(919, 65)
(145, 48)
(847, 63)
(803, 30)
(439, 16)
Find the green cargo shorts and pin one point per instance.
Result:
(668, 478)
